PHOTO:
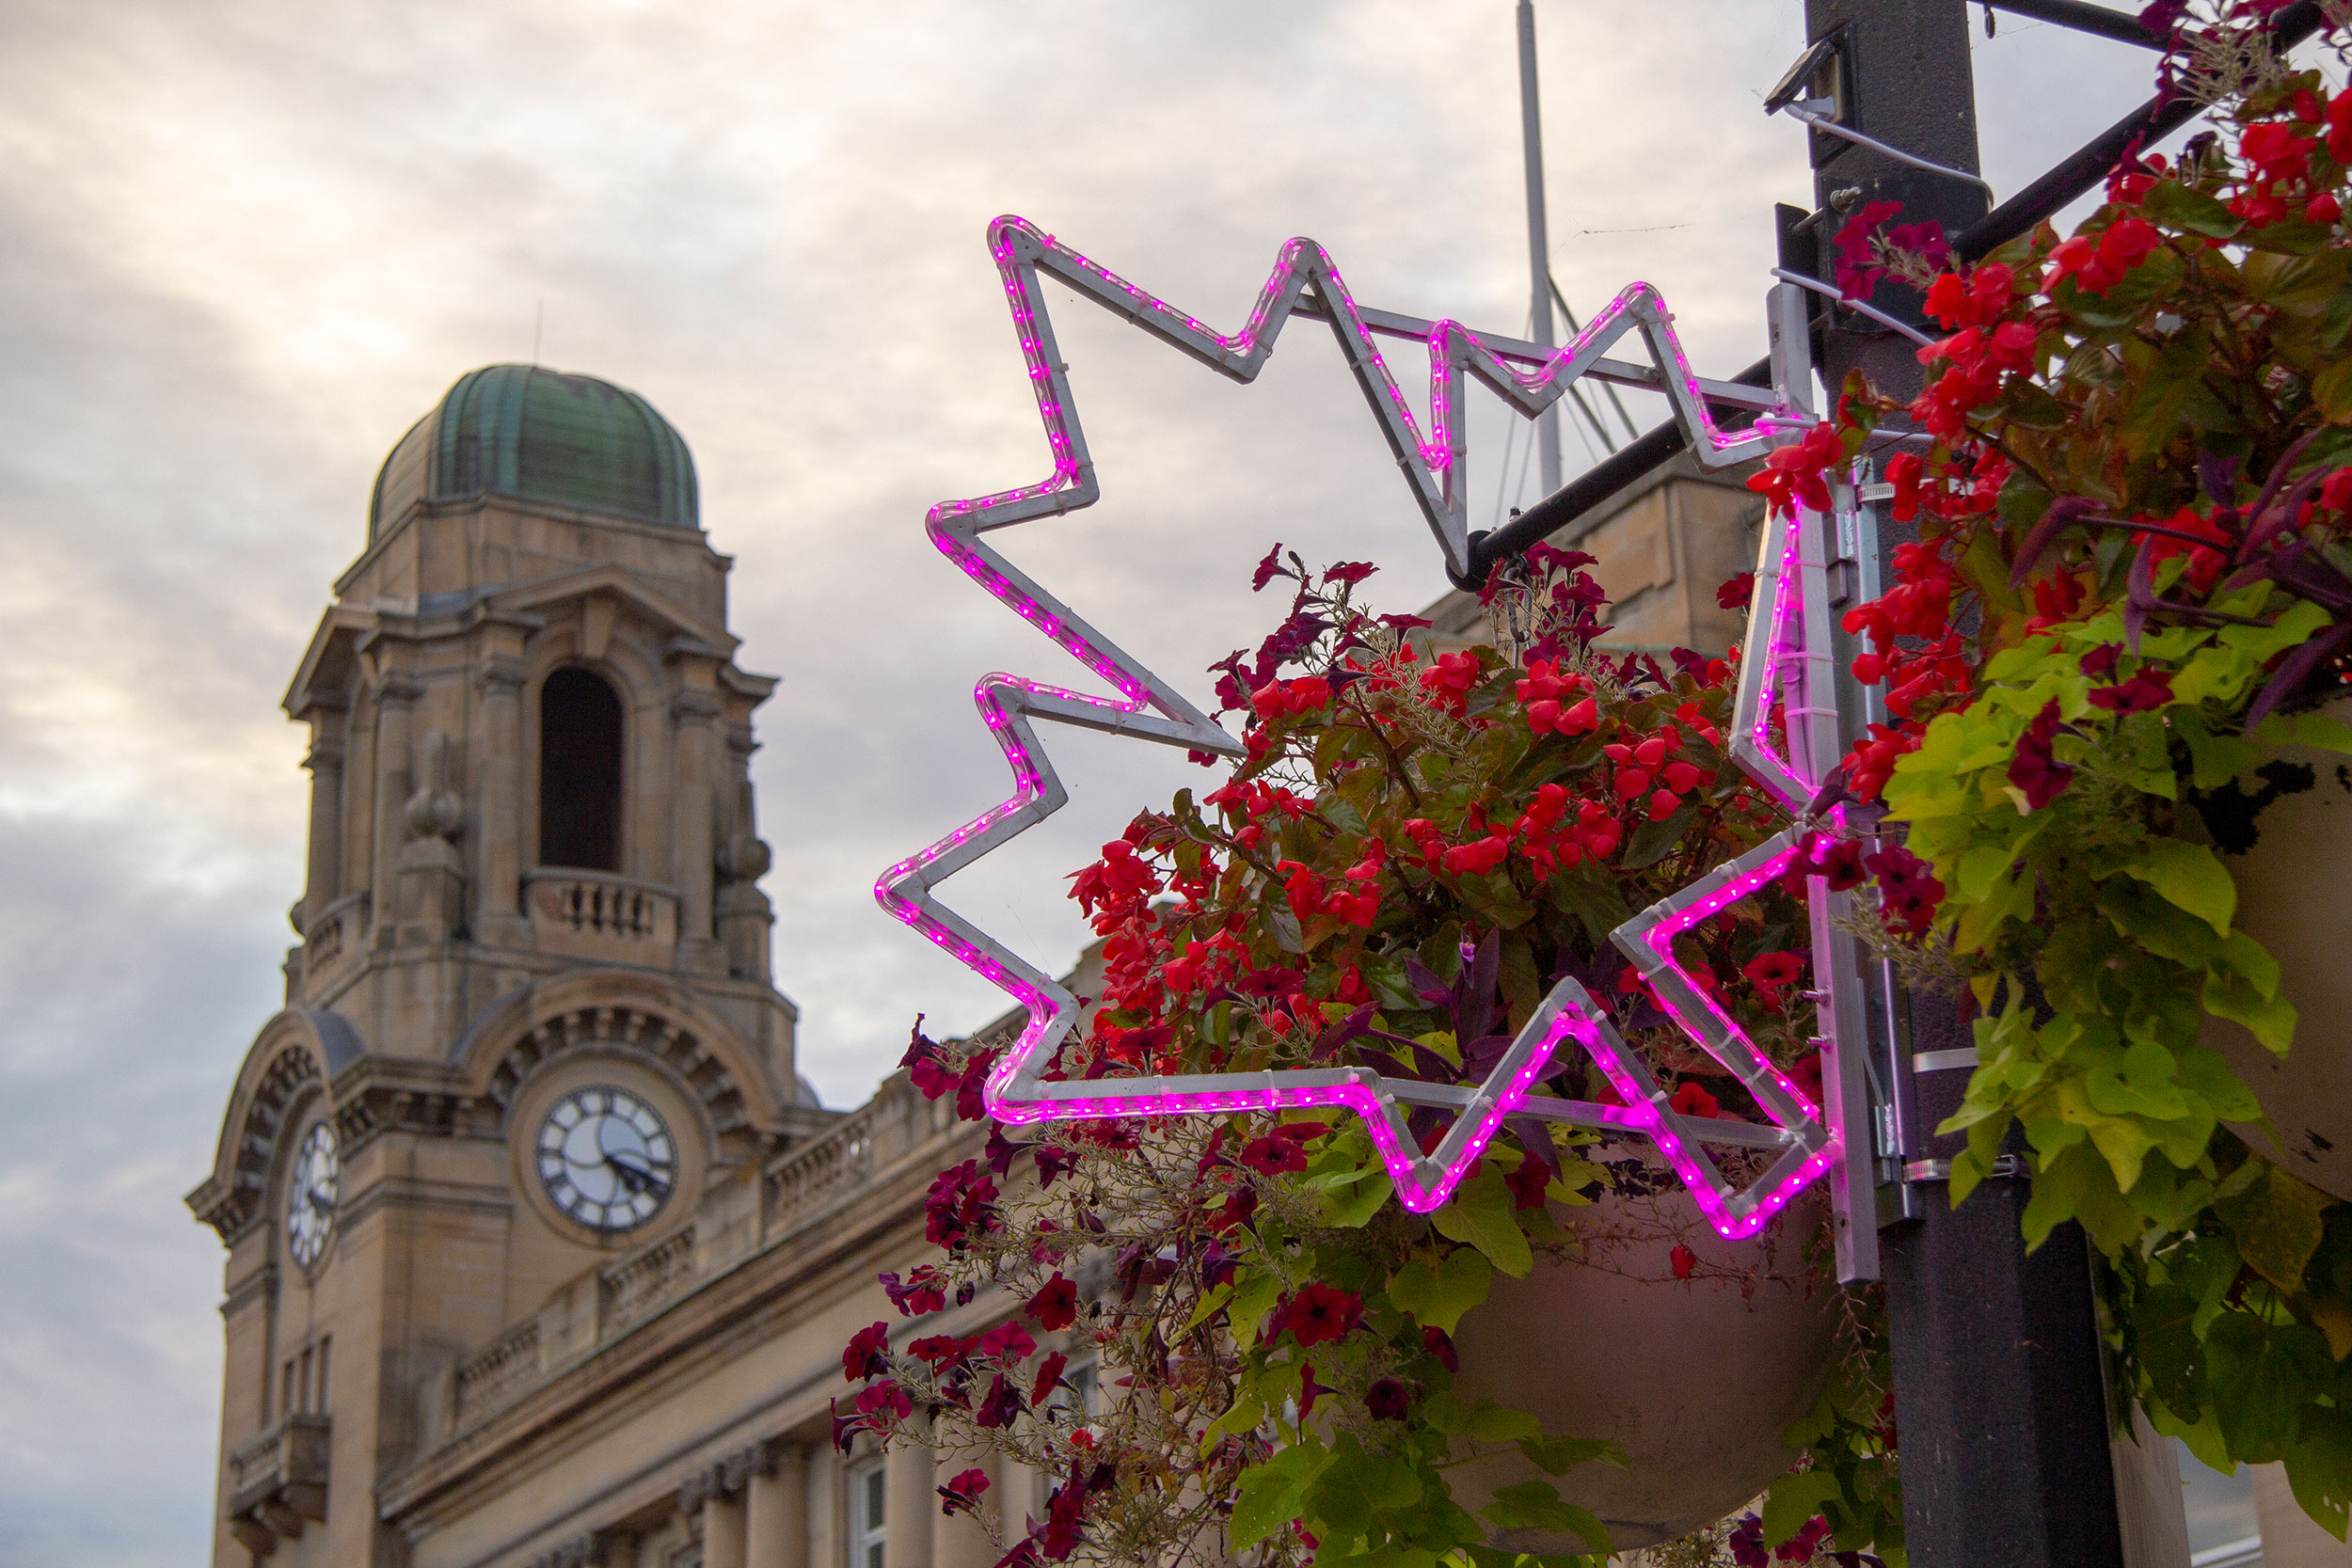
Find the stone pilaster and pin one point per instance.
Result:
(396, 701)
(323, 881)
(498, 789)
(908, 1504)
(695, 714)
(775, 1510)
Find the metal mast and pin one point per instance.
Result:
(1538, 238)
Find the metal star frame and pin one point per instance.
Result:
(1305, 283)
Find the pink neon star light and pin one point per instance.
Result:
(1305, 282)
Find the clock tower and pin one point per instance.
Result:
(530, 1025)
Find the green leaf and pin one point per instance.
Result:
(2192, 876)
(2277, 1226)
(1653, 841)
(1536, 1505)
(1209, 1308)
(1480, 1217)
(2177, 207)
(1437, 1296)
(2259, 1375)
(1794, 1500)
(1254, 1298)
(1269, 1495)
(1355, 1209)
(2319, 1469)
(1489, 1422)
(1557, 1456)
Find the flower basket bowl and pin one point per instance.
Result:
(1696, 1377)
(2292, 890)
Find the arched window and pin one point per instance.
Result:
(579, 772)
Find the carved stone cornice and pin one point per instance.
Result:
(727, 1475)
(398, 686)
(580, 1551)
(694, 705)
(327, 754)
(260, 1283)
(502, 675)
(388, 1094)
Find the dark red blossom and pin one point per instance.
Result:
(938, 1351)
(961, 1494)
(1309, 1389)
(961, 1203)
(1737, 593)
(1048, 1377)
(921, 1293)
(2146, 690)
(1273, 1156)
(2099, 664)
(1691, 1100)
(2036, 770)
(1683, 1259)
(1002, 1403)
(1006, 1342)
(1056, 1304)
(884, 1402)
(1528, 1182)
(1437, 1342)
(867, 1354)
(1319, 1313)
(1773, 973)
(1909, 890)
(1387, 1401)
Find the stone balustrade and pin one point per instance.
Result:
(596, 914)
(340, 932)
(798, 1187)
(278, 1484)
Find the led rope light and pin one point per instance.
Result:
(1149, 708)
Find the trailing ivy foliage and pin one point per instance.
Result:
(2131, 588)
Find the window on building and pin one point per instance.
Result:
(866, 1517)
(326, 1344)
(286, 1390)
(580, 771)
(302, 1386)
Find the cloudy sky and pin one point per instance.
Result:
(245, 242)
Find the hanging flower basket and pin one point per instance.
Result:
(1695, 1354)
(1563, 1357)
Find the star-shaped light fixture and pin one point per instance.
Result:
(1304, 282)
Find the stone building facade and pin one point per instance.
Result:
(539, 1250)
(1662, 546)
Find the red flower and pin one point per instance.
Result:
(1001, 1405)
(1056, 1304)
(1662, 804)
(1528, 1182)
(1387, 1401)
(1309, 1389)
(961, 1494)
(1903, 471)
(1684, 1260)
(1274, 1155)
(921, 1293)
(941, 1350)
(1048, 1377)
(2148, 690)
(1737, 593)
(1772, 973)
(1006, 1342)
(868, 1354)
(1792, 475)
(1321, 1312)
(884, 1403)
(1437, 1342)
(1691, 1100)
(2036, 770)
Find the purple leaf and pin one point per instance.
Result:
(2296, 667)
(2055, 519)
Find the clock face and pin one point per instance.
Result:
(310, 1194)
(605, 1158)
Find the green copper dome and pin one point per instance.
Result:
(517, 430)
